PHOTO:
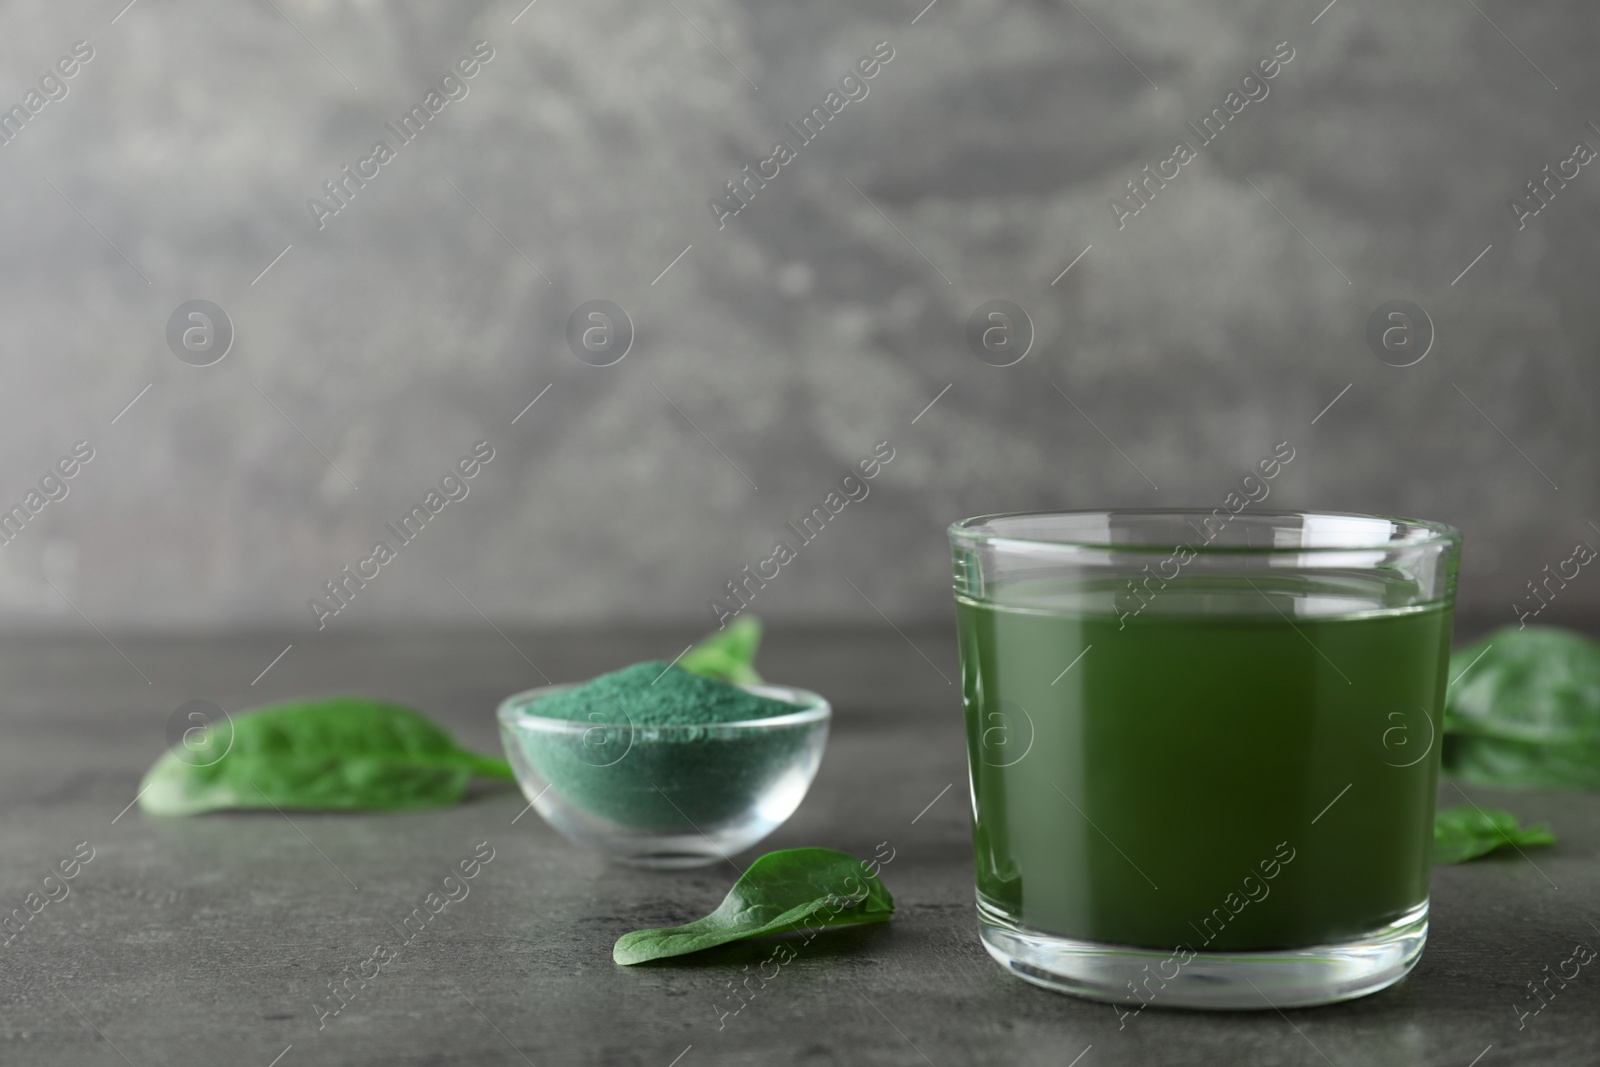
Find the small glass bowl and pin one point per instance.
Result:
(666, 796)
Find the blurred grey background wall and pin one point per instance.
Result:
(774, 348)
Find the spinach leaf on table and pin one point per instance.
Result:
(346, 753)
(728, 655)
(1466, 832)
(782, 892)
(1525, 710)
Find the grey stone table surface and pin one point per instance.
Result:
(213, 940)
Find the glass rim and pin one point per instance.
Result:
(1426, 532)
(515, 710)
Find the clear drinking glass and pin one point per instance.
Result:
(1203, 748)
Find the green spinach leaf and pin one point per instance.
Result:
(345, 753)
(729, 655)
(1466, 832)
(1525, 710)
(782, 892)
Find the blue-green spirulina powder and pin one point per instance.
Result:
(655, 694)
(638, 766)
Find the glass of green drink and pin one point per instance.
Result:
(1203, 748)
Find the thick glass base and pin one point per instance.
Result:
(1292, 978)
(666, 852)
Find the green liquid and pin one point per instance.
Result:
(1174, 786)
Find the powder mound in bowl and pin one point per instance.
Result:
(661, 753)
(656, 694)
